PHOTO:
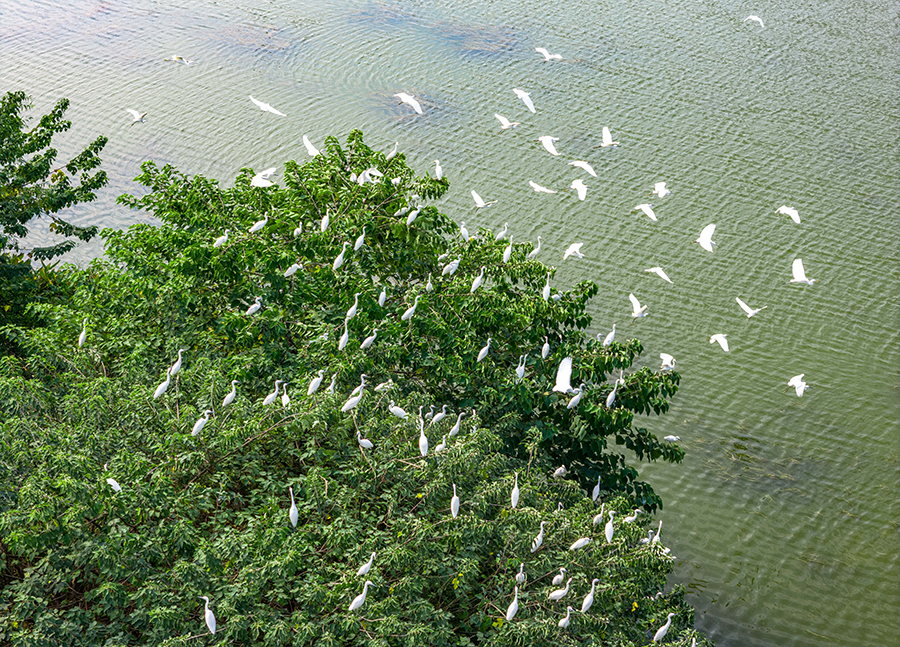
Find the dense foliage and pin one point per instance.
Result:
(207, 513)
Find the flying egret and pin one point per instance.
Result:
(254, 308)
(502, 234)
(560, 472)
(579, 392)
(672, 439)
(138, 117)
(661, 632)
(596, 492)
(660, 273)
(221, 240)
(259, 224)
(479, 203)
(660, 189)
(342, 342)
(178, 59)
(668, 362)
(209, 616)
(315, 383)
(547, 143)
(363, 442)
(285, 400)
(406, 316)
(439, 416)
(584, 165)
(484, 351)
(163, 386)
(292, 513)
(454, 503)
(360, 599)
(177, 365)
(610, 338)
(411, 101)
(559, 594)
(581, 543)
(564, 376)
(114, 484)
(360, 240)
(564, 622)
(269, 399)
(438, 171)
(534, 252)
(513, 606)
(799, 273)
(265, 107)
(323, 225)
(750, 311)
(539, 539)
(545, 293)
(648, 210)
(559, 578)
(340, 258)
(788, 211)
(637, 310)
(538, 188)
(311, 150)
(365, 568)
(547, 55)
(289, 272)
(506, 123)
(525, 97)
(514, 497)
(705, 238)
(229, 398)
(423, 439)
(198, 426)
(589, 598)
(607, 139)
(757, 19)
(478, 281)
(721, 340)
(580, 188)
(799, 385)
(609, 529)
(261, 179)
(83, 334)
(545, 349)
(520, 576)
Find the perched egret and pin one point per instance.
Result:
(564, 622)
(330, 388)
(315, 383)
(559, 594)
(397, 411)
(503, 231)
(607, 139)
(261, 179)
(637, 310)
(311, 150)
(705, 238)
(411, 218)
(564, 376)
(598, 518)
(342, 342)
(454, 503)
(525, 97)
(721, 341)
(269, 399)
(352, 401)
(177, 365)
(229, 398)
(363, 442)
(609, 529)
(672, 439)
(411, 101)
(520, 576)
(254, 308)
(539, 539)
(365, 568)
(547, 55)
(648, 211)
(658, 531)
(611, 397)
(484, 351)
(660, 189)
(545, 293)
(406, 316)
(340, 258)
(547, 143)
(438, 171)
(789, 211)
(610, 337)
(360, 240)
(560, 472)
(285, 400)
(162, 387)
(513, 607)
(632, 516)
(799, 273)
(573, 250)
(579, 392)
(265, 107)
(584, 165)
(368, 341)
(323, 225)
(198, 426)
(385, 386)
(360, 599)
(439, 416)
(351, 311)
(662, 631)
(559, 578)
(589, 598)
(534, 252)
(750, 311)
(429, 286)
(451, 267)
(382, 297)
(463, 232)
(580, 188)
(581, 543)
(114, 484)
(506, 123)
(137, 117)
(648, 538)
(515, 494)
(520, 368)
(660, 273)
(292, 513)
(596, 492)
(756, 19)
(393, 152)
(209, 616)
(545, 349)
(441, 446)
(799, 385)
(668, 362)
(298, 230)
(423, 439)
(259, 224)
(289, 272)
(221, 240)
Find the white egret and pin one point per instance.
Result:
(705, 238)
(229, 398)
(382, 297)
(514, 497)
(788, 211)
(298, 230)
(385, 386)
(114, 484)
(672, 439)
(423, 439)
(209, 616)
(547, 143)
(506, 123)
(668, 362)
(411, 101)
(484, 351)
(342, 342)
(406, 316)
(177, 365)
(178, 59)
(411, 218)
(285, 400)
(289, 272)
(754, 18)
(454, 503)
(579, 392)
(520, 368)
(221, 240)
(564, 622)
(637, 310)
(351, 311)
(360, 240)
(559, 594)
(799, 273)
(292, 513)
(564, 376)
(137, 117)
(573, 250)
(340, 258)
(539, 539)
(581, 543)
(311, 150)
(430, 414)
(513, 607)
(254, 308)
(360, 599)
(547, 55)
(525, 97)
(799, 385)
(585, 166)
(598, 518)
(560, 472)
(559, 578)
(397, 411)
(393, 152)
(545, 293)
(259, 224)
(721, 341)
(648, 211)
(479, 280)
(607, 139)
(363, 442)
(634, 515)
(315, 383)
(352, 401)
(330, 388)
(503, 231)
(269, 399)
(368, 341)
(441, 446)
(429, 286)
(83, 334)
(750, 311)
(611, 397)
(323, 225)
(163, 386)
(438, 171)
(589, 598)
(534, 252)
(261, 179)
(596, 491)
(365, 568)
(538, 188)
(265, 107)
(609, 529)
(660, 273)
(451, 267)
(610, 338)
(662, 631)
(658, 531)
(660, 189)
(198, 426)
(439, 416)
(648, 538)
(520, 576)
(580, 188)
(463, 232)
(545, 349)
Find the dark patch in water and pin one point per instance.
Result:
(488, 40)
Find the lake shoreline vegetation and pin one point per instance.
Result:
(233, 403)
